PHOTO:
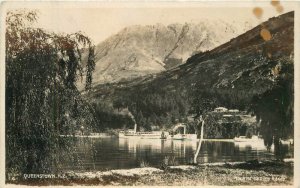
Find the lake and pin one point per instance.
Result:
(121, 153)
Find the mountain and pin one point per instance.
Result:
(245, 62)
(141, 50)
(248, 69)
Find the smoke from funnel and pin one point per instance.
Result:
(133, 119)
(126, 111)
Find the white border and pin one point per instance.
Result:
(137, 4)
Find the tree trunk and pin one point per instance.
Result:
(199, 145)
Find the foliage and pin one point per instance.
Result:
(157, 106)
(143, 163)
(275, 107)
(218, 126)
(168, 161)
(153, 107)
(42, 100)
(203, 102)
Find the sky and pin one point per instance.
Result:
(100, 21)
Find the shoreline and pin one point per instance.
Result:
(271, 172)
(108, 136)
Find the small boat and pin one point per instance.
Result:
(287, 141)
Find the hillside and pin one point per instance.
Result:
(245, 62)
(231, 75)
(141, 50)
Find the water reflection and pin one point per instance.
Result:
(115, 153)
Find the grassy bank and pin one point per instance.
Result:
(246, 173)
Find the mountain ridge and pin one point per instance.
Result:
(256, 66)
(141, 50)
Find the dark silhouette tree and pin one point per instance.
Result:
(275, 107)
(42, 100)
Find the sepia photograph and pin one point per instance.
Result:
(149, 93)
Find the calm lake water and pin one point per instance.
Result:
(122, 153)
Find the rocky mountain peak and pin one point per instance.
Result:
(139, 50)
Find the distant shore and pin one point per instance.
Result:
(106, 135)
(239, 173)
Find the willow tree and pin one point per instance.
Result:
(274, 108)
(42, 69)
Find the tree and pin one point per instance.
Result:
(41, 95)
(274, 108)
(201, 120)
(203, 103)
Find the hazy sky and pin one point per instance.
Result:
(99, 22)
